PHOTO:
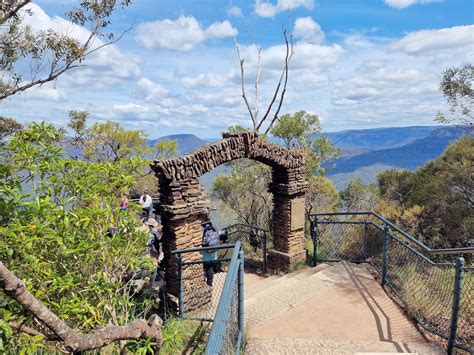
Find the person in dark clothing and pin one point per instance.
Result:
(210, 238)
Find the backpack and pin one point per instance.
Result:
(211, 238)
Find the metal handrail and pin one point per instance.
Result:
(245, 225)
(425, 248)
(192, 250)
(215, 342)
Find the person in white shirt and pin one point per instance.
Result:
(146, 202)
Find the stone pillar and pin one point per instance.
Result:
(183, 210)
(288, 220)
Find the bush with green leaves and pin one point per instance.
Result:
(55, 213)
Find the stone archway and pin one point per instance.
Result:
(185, 204)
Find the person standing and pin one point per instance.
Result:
(155, 248)
(210, 238)
(146, 202)
(124, 202)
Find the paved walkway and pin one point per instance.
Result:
(336, 308)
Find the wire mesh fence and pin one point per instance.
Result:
(230, 334)
(210, 288)
(202, 283)
(424, 284)
(465, 333)
(255, 242)
(340, 240)
(426, 288)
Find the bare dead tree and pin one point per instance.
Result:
(60, 332)
(280, 90)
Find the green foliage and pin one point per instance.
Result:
(243, 193)
(237, 129)
(302, 130)
(436, 202)
(54, 216)
(78, 124)
(396, 185)
(184, 336)
(148, 182)
(165, 149)
(110, 141)
(358, 197)
(457, 88)
(322, 195)
(296, 130)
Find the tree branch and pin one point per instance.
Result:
(75, 341)
(57, 69)
(13, 12)
(244, 96)
(289, 55)
(28, 330)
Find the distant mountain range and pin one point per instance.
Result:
(380, 138)
(365, 153)
(409, 156)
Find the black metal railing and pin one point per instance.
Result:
(220, 302)
(255, 242)
(435, 286)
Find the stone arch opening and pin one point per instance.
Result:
(185, 205)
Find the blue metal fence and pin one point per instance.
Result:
(228, 327)
(221, 303)
(435, 286)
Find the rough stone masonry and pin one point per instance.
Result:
(185, 205)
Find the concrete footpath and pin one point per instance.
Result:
(338, 308)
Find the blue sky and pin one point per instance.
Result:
(357, 64)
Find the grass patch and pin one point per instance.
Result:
(182, 336)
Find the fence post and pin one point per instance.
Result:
(264, 251)
(385, 254)
(180, 286)
(241, 292)
(364, 245)
(456, 303)
(314, 236)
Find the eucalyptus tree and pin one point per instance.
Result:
(457, 87)
(49, 53)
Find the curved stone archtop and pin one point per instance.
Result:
(233, 146)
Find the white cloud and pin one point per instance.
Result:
(385, 82)
(363, 81)
(308, 30)
(402, 4)
(268, 9)
(208, 79)
(150, 91)
(107, 66)
(183, 34)
(130, 112)
(46, 92)
(307, 56)
(221, 30)
(41, 21)
(440, 41)
(235, 11)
